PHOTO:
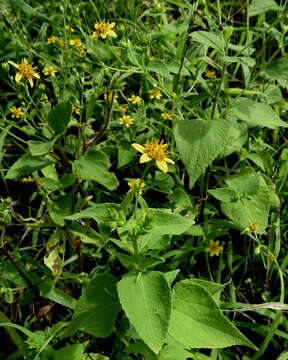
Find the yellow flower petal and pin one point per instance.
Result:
(144, 158)
(30, 82)
(162, 165)
(18, 77)
(138, 147)
(12, 63)
(170, 161)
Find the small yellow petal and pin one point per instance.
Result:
(144, 158)
(138, 147)
(30, 82)
(170, 161)
(12, 63)
(18, 77)
(162, 165)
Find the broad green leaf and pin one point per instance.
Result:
(93, 166)
(236, 59)
(48, 290)
(180, 197)
(99, 212)
(197, 322)
(213, 288)
(30, 11)
(246, 182)
(199, 142)
(174, 65)
(125, 153)
(59, 117)
(253, 208)
(223, 194)
(160, 68)
(170, 352)
(97, 308)
(61, 208)
(26, 165)
(259, 6)
(165, 222)
(256, 114)
(71, 352)
(146, 300)
(278, 69)
(208, 39)
(38, 148)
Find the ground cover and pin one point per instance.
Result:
(143, 179)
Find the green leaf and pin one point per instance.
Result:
(55, 249)
(259, 6)
(146, 300)
(92, 356)
(125, 153)
(208, 39)
(170, 352)
(99, 212)
(254, 207)
(278, 69)
(71, 352)
(48, 290)
(61, 208)
(223, 194)
(26, 165)
(59, 117)
(30, 11)
(165, 222)
(199, 142)
(160, 68)
(197, 322)
(256, 114)
(38, 148)
(93, 166)
(97, 308)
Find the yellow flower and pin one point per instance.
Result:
(28, 180)
(154, 150)
(214, 248)
(122, 110)
(155, 93)
(68, 28)
(103, 29)
(135, 99)
(140, 186)
(80, 52)
(25, 70)
(52, 39)
(75, 110)
(251, 226)
(20, 96)
(61, 42)
(16, 112)
(166, 116)
(210, 74)
(76, 42)
(127, 120)
(44, 97)
(50, 71)
(110, 97)
(271, 257)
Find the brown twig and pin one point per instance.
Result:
(109, 104)
(17, 267)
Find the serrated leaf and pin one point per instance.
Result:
(71, 352)
(99, 212)
(165, 222)
(61, 208)
(146, 300)
(38, 148)
(59, 117)
(259, 6)
(208, 39)
(26, 165)
(97, 308)
(93, 166)
(256, 114)
(197, 322)
(160, 68)
(277, 69)
(199, 142)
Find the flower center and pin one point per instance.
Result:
(26, 70)
(156, 150)
(103, 28)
